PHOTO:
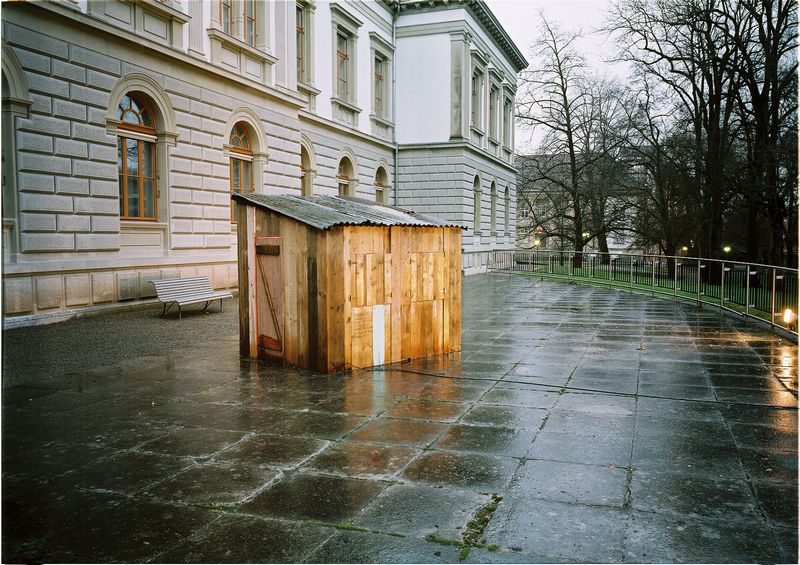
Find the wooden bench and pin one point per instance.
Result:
(187, 291)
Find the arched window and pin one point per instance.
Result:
(306, 176)
(493, 226)
(381, 186)
(16, 104)
(476, 206)
(344, 177)
(136, 159)
(507, 211)
(241, 156)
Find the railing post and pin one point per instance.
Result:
(722, 288)
(653, 287)
(772, 313)
(675, 279)
(631, 282)
(747, 294)
(699, 301)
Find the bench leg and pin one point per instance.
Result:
(166, 308)
(206, 306)
(179, 310)
(220, 305)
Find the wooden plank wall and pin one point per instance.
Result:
(416, 274)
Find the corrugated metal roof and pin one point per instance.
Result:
(324, 212)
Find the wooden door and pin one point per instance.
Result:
(269, 298)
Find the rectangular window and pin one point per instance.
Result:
(225, 15)
(250, 22)
(379, 86)
(301, 75)
(342, 90)
(477, 101)
(136, 162)
(508, 124)
(241, 180)
(493, 113)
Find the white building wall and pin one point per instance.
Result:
(423, 89)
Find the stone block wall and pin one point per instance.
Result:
(438, 180)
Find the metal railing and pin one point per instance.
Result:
(762, 292)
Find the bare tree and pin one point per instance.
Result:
(576, 174)
(685, 47)
(764, 36)
(661, 154)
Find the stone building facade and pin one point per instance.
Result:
(126, 125)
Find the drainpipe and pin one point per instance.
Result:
(394, 104)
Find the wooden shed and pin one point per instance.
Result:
(329, 283)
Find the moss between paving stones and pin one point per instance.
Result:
(475, 528)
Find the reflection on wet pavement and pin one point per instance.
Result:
(616, 427)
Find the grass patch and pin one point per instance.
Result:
(464, 553)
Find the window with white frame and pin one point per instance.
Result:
(378, 86)
(345, 34)
(343, 73)
(241, 19)
(381, 186)
(345, 177)
(493, 95)
(508, 122)
(493, 216)
(507, 208)
(476, 100)
(241, 163)
(476, 205)
(302, 52)
(136, 159)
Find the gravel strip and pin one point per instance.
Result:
(44, 355)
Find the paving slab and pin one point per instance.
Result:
(615, 427)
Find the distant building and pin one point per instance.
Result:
(127, 125)
(545, 213)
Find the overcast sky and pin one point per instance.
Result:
(520, 18)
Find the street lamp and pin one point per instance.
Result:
(684, 249)
(727, 249)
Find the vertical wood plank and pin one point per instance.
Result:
(251, 281)
(445, 303)
(348, 303)
(428, 277)
(370, 280)
(454, 288)
(319, 337)
(337, 296)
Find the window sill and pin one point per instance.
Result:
(346, 105)
(166, 11)
(307, 88)
(478, 131)
(381, 120)
(239, 45)
(143, 224)
(309, 93)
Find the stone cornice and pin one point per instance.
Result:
(461, 144)
(482, 14)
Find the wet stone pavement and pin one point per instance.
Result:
(615, 427)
